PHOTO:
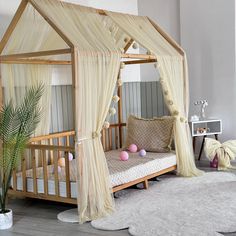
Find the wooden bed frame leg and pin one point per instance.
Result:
(145, 184)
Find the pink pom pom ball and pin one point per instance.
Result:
(133, 148)
(70, 156)
(142, 153)
(124, 156)
(58, 169)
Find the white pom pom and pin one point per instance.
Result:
(115, 99)
(119, 82)
(135, 46)
(112, 111)
(122, 65)
(122, 50)
(126, 39)
(106, 125)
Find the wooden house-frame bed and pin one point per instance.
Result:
(41, 149)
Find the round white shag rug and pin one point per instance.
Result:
(202, 206)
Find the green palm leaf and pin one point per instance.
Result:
(17, 125)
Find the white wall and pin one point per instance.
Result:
(130, 73)
(166, 14)
(208, 36)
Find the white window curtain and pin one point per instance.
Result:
(174, 80)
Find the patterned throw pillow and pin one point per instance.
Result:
(154, 135)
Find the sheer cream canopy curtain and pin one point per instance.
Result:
(174, 80)
(97, 70)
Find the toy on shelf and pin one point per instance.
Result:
(202, 130)
(203, 104)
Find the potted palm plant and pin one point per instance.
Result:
(17, 124)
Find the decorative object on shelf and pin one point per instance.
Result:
(194, 118)
(225, 152)
(17, 125)
(202, 130)
(203, 104)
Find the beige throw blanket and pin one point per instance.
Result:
(225, 152)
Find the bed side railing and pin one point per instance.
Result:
(41, 152)
(46, 150)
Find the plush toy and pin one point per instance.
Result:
(142, 153)
(124, 156)
(61, 162)
(133, 148)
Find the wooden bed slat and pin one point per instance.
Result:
(34, 171)
(56, 180)
(45, 172)
(23, 168)
(67, 170)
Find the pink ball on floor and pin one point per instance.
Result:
(142, 153)
(133, 148)
(124, 156)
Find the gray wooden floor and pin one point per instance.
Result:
(39, 218)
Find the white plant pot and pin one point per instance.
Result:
(6, 220)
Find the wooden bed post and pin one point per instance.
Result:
(120, 116)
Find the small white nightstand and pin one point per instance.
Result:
(205, 128)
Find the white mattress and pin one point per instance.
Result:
(121, 172)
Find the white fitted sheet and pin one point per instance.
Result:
(121, 172)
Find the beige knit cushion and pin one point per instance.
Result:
(154, 135)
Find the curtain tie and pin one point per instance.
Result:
(96, 134)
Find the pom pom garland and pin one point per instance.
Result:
(122, 65)
(126, 40)
(119, 82)
(112, 111)
(106, 125)
(115, 99)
